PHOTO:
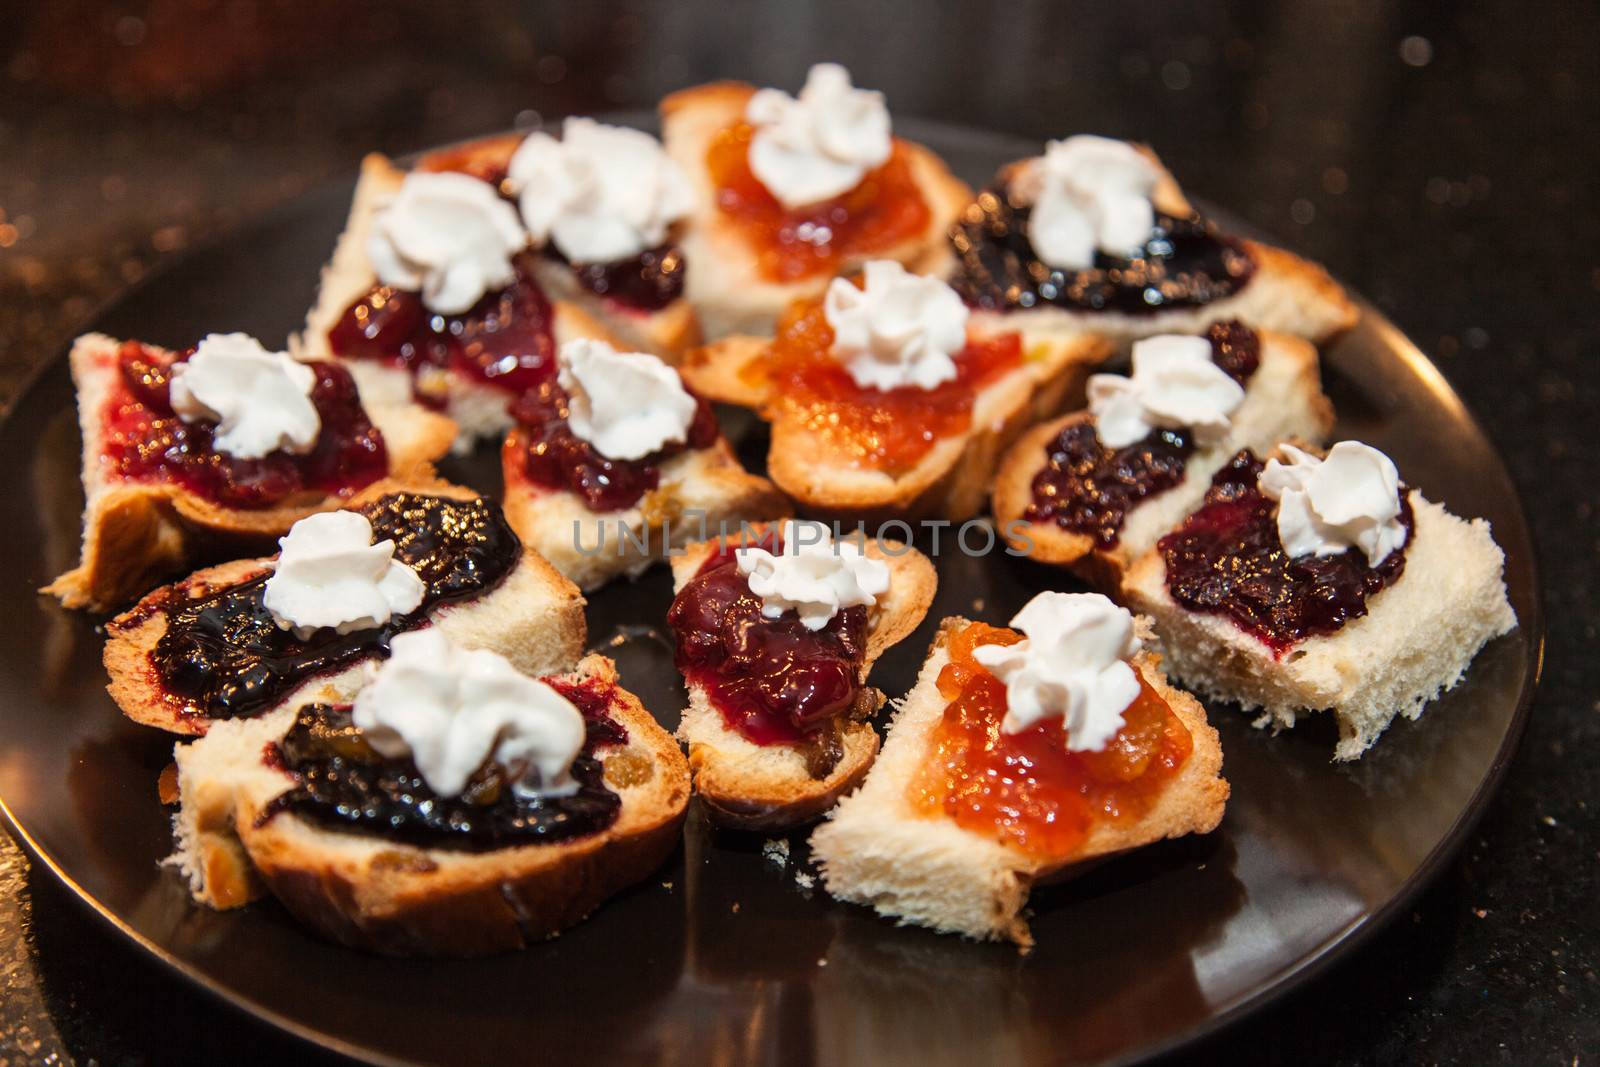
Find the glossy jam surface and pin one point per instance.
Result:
(146, 441)
(1026, 789)
(1185, 263)
(341, 783)
(881, 430)
(548, 454)
(1088, 488)
(1226, 559)
(774, 681)
(883, 210)
(505, 340)
(223, 655)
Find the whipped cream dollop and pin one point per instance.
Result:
(452, 709)
(813, 575)
(1088, 193)
(820, 145)
(1072, 665)
(626, 404)
(600, 193)
(1326, 506)
(449, 237)
(1174, 385)
(260, 400)
(330, 574)
(897, 329)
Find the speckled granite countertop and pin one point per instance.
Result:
(1440, 160)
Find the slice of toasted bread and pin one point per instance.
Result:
(723, 282)
(747, 786)
(135, 532)
(1283, 400)
(533, 617)
(479, 410)
(701, 490)
(1286, 294)
(667, 332)
(385, 896)
(951, 481)
(1418, 638)
(877, 849)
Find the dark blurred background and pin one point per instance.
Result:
(1438, 157)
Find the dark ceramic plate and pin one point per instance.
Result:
(725, 955)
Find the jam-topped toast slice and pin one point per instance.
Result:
(868, 424)
(217, 646)
(778, 702)
(1066, 495)
(970, 804)
(617, 464)
(1096, 235)
(360, 839)
(167, 482)
(765, 231)
(1307, 584)
(468, 349)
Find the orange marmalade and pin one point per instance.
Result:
(885, 430)
(884, 209)
(1026, 788)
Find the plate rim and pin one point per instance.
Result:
(1307, 968)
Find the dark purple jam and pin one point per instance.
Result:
(505, 340)
(1089, 489)
(550, 455)
(1185, 263)
(1226, 559)
(223, 655)
(145, 440)
(646, 282)
(773, 680)
(341, 783)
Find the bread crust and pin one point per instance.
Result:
(723, 280)
(906, 880)
(1283, 400)
(746, 786)
(135, 533)
(951, 481)
(533, 607)
(707, 482)
(398, 899)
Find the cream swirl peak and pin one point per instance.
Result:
(453, 709)
(626, 404)
(821, 144)
(260, 400)
(330, 574)
(812, 575)
(449, 237)
(1072, 665)
(1326, 506)
(1088, 194)
(897, 329)
(600, 193)
(1174, 385)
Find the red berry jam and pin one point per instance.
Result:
(342, 783)
(1088, 488)
(1027, 790)
(884, 430)
(222, 655)
(885, 209)
(504, 340)
(544, 450)
(773, 680)
(1185, 262)
(146, 441)
(1226, 559)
